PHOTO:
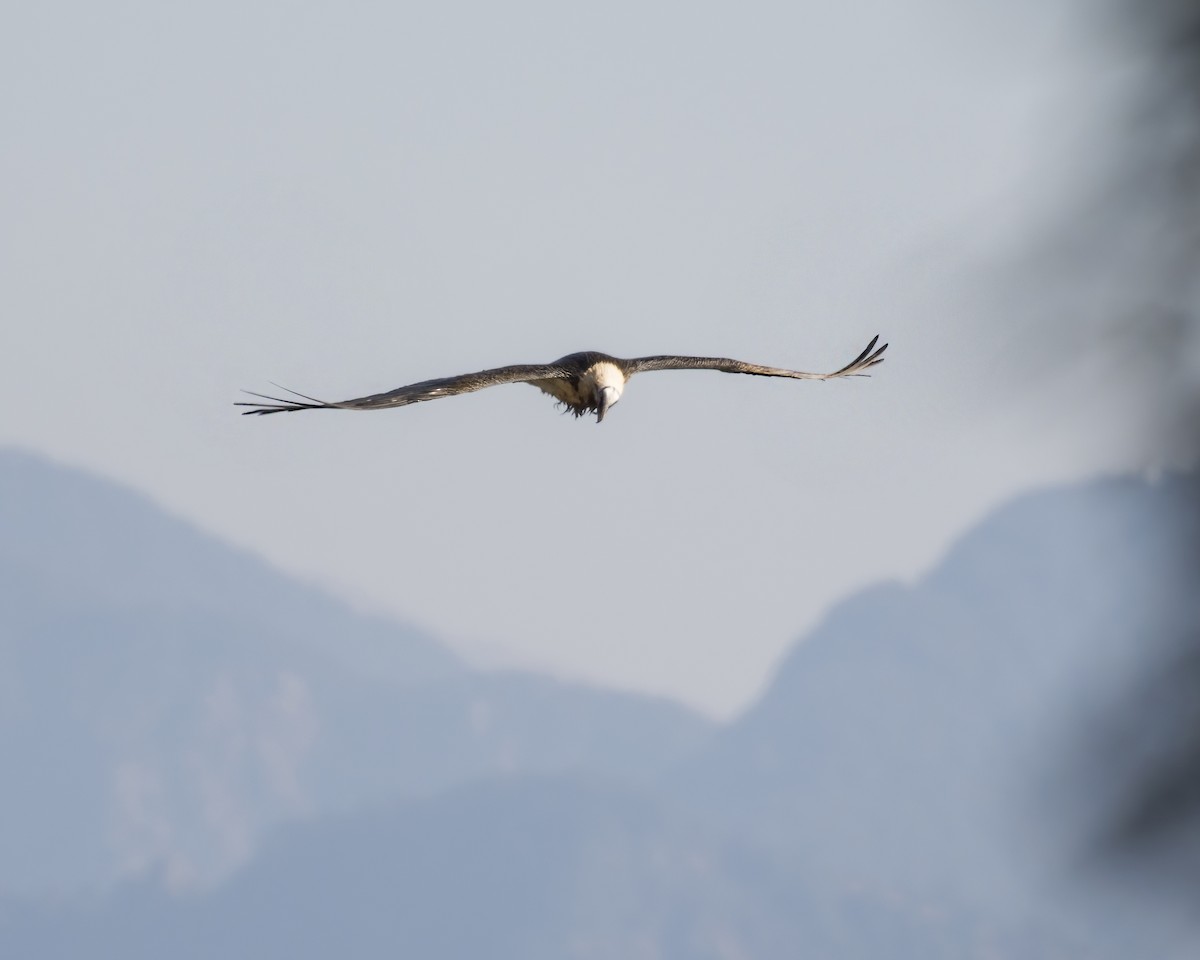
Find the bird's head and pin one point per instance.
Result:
(605, 397)
(605, 381)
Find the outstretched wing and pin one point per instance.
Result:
(413, 393)
(856, 368)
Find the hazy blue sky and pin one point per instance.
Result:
(198, 198)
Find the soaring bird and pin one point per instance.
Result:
(587, 382)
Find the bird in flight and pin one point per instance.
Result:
(586, 382)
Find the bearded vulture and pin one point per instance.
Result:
(586, 382)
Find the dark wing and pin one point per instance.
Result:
(856, 368)
(413, 393)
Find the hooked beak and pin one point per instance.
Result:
(605, 398)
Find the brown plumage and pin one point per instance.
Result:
(586, 382)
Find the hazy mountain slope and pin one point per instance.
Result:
(524, 868)
(71, 540)
(886, 798)
(164, 699)
(915, 739)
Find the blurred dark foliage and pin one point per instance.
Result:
(1155, 823)
(1158, 822)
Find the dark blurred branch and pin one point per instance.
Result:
(1157, 815)
(1162, 723)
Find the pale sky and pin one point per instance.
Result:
(349, 197)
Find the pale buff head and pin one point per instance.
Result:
(604, 382)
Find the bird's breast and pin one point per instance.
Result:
(578, 393)
(564, 390)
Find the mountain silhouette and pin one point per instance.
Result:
(166, 698)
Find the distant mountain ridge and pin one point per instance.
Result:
(165, 699)
(901, 790)
(914, 738)
(79, 539)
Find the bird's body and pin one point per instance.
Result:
(587, 382)
(588, 373)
